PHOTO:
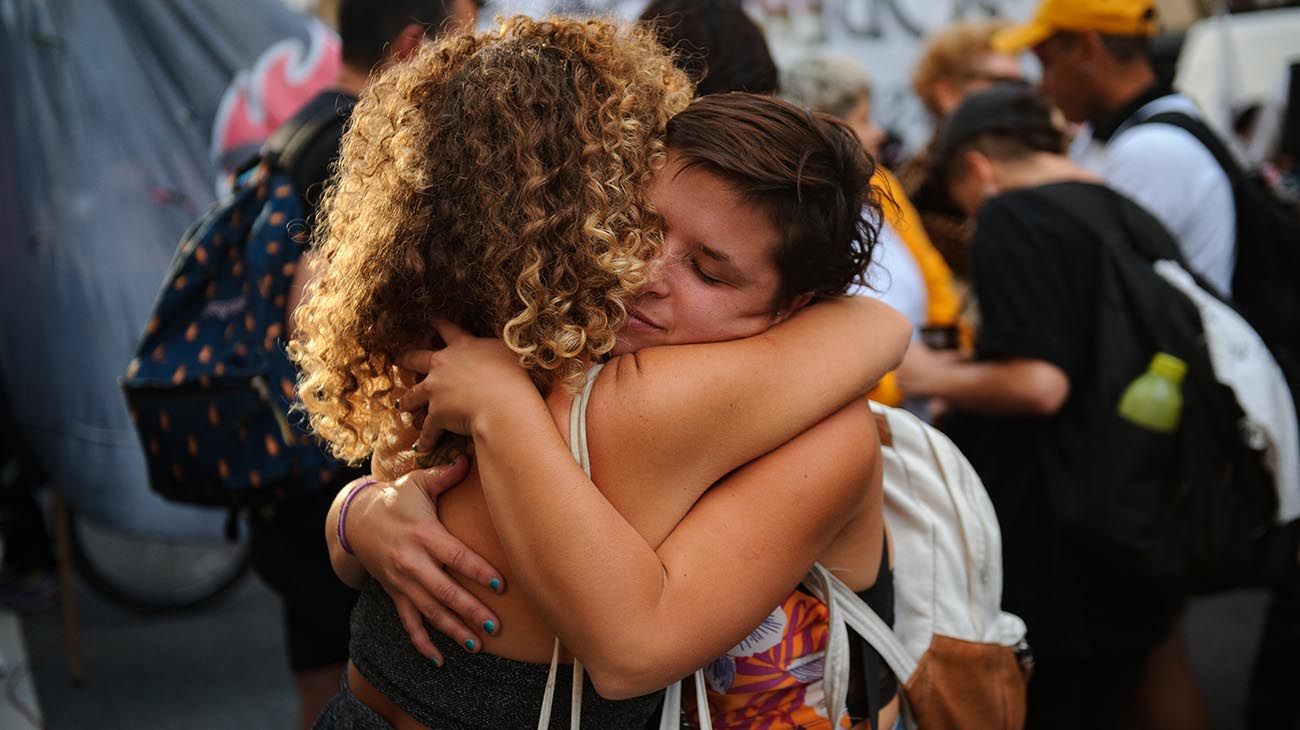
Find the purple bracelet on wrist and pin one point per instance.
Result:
(343, 512)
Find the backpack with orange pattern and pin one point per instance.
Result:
(211, 387)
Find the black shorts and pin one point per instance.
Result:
(289, 553)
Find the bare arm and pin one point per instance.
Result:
(641, 618)
(1014, 386)
(743, 397)
(413, 553)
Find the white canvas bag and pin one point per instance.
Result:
(947, 585)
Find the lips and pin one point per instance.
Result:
(638, 321)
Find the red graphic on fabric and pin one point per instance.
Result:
(284, 78)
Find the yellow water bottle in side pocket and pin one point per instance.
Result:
(1154, 400)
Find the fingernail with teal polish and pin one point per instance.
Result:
(470, 644)
(436, 662)
(495, 585)
(490, 626)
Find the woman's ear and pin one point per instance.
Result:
(790, 307)
(981, 166)
(406, 42)
(947, 96)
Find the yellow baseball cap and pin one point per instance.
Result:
(1115, 17)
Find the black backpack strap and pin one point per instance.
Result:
(872, 669)
(323, 113)
(1121, 232)
(1208, 139)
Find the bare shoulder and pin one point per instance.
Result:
(652, 392)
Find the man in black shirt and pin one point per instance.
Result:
(1105, 651)
(288, 539)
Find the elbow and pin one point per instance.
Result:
(615, 686)
(897, 336)
(624, 680)
(634, 669)
(1045, 392)
(1044, 407)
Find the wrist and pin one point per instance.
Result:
(348, 508)
(518, 407)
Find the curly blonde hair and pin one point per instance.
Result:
(496, 180)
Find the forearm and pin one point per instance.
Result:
(836, 349)
(747, 397)
(346, 566)
(639, 617)
(580, 562)
(1003, 388)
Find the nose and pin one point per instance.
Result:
(657, 276)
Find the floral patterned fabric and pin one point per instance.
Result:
(773, 679)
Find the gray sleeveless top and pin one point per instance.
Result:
(475, 690)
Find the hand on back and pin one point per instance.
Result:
(397, 537)
(463, 381)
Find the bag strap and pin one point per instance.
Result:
(323, 113)
(671, 717)
(847, 607)
(1208, 139)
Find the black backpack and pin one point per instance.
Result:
(1266, 278)
(211, 387)
(1195, 510)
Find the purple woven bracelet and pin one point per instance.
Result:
(343, 512)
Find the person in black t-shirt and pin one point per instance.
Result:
(1107, 648)
(288, 539)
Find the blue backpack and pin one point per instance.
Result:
(211, 386)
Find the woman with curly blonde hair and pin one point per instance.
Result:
(517, 184)
(493, 178)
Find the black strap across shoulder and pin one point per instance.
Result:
(323, 113)
(1206, 136)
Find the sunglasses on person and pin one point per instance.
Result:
(993, 77)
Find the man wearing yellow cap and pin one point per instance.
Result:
(1096, 68)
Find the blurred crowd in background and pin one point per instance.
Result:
(132, 117)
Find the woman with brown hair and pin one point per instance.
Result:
(734, 261)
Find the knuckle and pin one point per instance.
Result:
(459, 558)
(446, 593)
(401, 562)
(431, 611)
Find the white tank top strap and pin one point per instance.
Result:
(578, 447)
(671, 716)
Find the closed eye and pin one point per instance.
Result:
(704, 275)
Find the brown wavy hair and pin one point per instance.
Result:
(495, 180)
(805, 169)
